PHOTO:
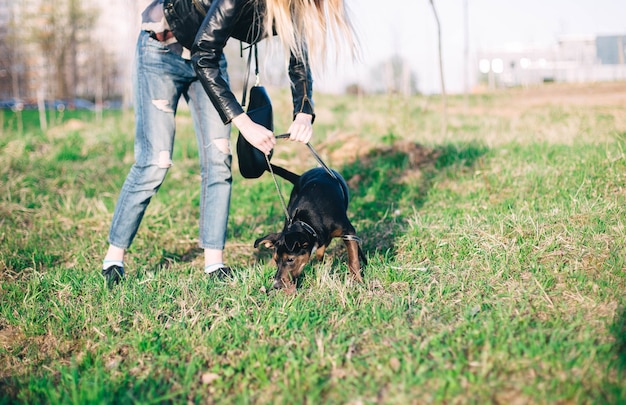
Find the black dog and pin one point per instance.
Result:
(317, 212)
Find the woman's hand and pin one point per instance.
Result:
(301, 128)
(258, 136)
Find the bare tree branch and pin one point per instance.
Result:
(444, 101)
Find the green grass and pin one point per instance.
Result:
(496, 264)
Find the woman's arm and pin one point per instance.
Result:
(260, 137)
(301, 85)
(216, 29)
(301, 128)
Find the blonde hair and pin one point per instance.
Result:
(310, 26)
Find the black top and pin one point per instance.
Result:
(204, 26)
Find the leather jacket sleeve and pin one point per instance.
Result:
(207, 50)
(301, 86)
(239, 19)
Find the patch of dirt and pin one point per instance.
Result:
(345, 148)
(341, 149)
(9, 336)
(338, 149)
(418, 155)
(10, 339)
(18, 347)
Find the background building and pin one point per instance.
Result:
(570, 60)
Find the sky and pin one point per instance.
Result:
(408, 28)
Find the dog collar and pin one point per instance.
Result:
(307, 228)
(351, 237)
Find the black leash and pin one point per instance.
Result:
(282, 199)
(253, 51)
(315, 155)
(280, 194)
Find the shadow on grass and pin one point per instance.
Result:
(390, 183)
(27, 257)
(386, 186)
(618, 329)
(614, 391)
(168, 259)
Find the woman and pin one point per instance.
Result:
(180, 53)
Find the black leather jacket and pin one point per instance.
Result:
(204, 26)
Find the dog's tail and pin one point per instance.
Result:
(285, 174)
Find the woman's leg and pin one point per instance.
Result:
(157, 89)
(215, 163)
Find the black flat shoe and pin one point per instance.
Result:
(113, 274)
(222, 273)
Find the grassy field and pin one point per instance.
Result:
(497, 259)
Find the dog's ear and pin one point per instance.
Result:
(268, 240)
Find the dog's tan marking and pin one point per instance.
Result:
(319, 253)
(353, 259)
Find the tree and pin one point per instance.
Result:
(60, 28)
(53, 51)
(466, 51)
(444, 101)
(12, 62)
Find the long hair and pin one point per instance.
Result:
(312, 27)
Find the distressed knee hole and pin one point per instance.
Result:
(223, 145)
(165, 162)
(163, 105)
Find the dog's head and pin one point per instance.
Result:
(292, 251)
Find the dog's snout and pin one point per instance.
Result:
(281, 278)
(278, 284)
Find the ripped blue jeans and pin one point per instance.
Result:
(160, 78)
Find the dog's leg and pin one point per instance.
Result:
(362, 256)
(353, 259)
